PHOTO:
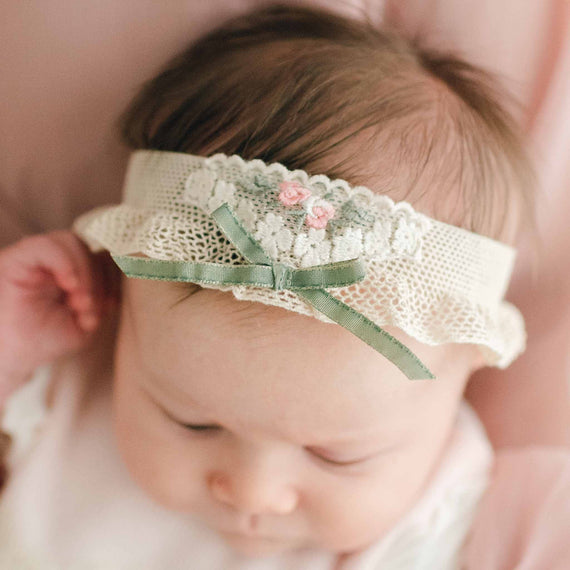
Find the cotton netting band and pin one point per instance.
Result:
(436, 282)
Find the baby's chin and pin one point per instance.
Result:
(258, 546)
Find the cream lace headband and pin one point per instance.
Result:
(312, 245)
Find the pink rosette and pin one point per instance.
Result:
(292, 193)
(319, 213)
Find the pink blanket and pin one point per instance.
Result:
(524, 521)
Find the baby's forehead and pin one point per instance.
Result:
(218, 318)
(247, 363)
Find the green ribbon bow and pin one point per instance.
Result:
(309, 283)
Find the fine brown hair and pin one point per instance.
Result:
(336, 96)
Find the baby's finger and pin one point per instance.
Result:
(27, 263)
(55, 256)
(86, 297)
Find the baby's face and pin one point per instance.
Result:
(276, 430)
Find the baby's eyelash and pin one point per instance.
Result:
(202, 427)
(334, 463)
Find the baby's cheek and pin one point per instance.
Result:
(165, 473)
(346, 520)
(155, 455)
(353, 512)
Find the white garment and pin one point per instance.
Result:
(70, 503)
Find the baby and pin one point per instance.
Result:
(239, 409)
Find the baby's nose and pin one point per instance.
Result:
(253, 492)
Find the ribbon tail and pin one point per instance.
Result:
(369, 332)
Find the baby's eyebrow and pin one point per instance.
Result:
(183, 292)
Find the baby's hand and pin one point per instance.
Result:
(52, 296)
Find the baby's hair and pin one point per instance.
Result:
(336, 96)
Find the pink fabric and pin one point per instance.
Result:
(524, 520)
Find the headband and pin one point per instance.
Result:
(312, 245)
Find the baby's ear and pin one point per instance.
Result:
(110, 276)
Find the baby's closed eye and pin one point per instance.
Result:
(344, 459)
(327, 456)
